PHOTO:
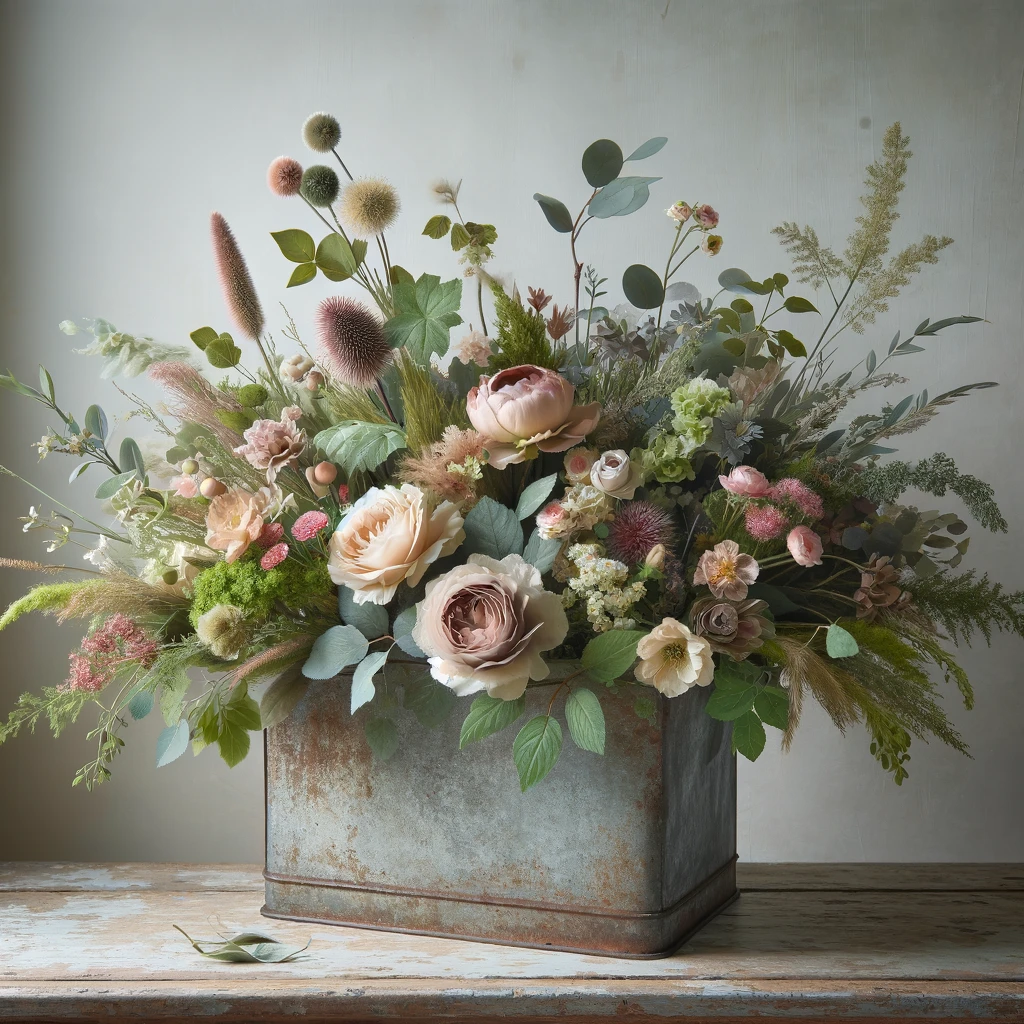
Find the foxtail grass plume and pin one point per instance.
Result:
(352, 341)
(320, 185)
(369, 205)
(321, 132)
(239, 292)
(284, 176)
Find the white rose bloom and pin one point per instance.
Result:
(615, 475)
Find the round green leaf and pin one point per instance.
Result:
(797, 304)
(295, 245)
(839, 643)
(337, 648)
(649, 148)
(438, 227)
(602, 162)
(642, 287)
(555, 212)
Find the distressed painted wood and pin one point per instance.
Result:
(884, 942)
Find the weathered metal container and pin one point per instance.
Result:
(621, 855)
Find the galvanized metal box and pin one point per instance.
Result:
(620, 855)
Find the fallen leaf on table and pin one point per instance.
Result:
(245, 948)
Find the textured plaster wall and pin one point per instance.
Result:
(124, 124)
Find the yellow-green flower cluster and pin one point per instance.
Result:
(604, 584)
(665, 459)
(695, 404)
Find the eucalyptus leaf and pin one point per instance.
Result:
(615, 199)
(839, 643)
(649, 148)
(129, 456)
(541, 552)
(430, 701)
(334, 650)
(492, 529)
(535, 495)
(602, 161)
(246, 948)
(556, 213)
(282, 697)
(370, 619)
(113, 484)
(642, 287)
(405, 622)
(585, 718)
(96, 422)
(363, 689)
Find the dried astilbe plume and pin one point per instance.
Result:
(239, 292)
(321, 132)
(369, 205)
(352, 341)
(320, 185)
(449, 468)
(284, 176)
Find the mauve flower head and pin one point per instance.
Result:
(239, 292)
(707, 216)
(272, 445)
(352, 341)
(284, 176)
(270, 535)
(274, 556)
(799, 494)
(638, 527)
(309, 524)
(746, 482)
(765, 522)
(726, 571)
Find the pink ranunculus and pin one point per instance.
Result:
(185, 487)
(804, 545)
(746, 482)
(707, 216)
(528, 407)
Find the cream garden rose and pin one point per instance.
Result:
(391, 535)
(615, 475)
(672, 659)
(484, 626)
(234, 521)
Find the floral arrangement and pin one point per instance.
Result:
(651, 497)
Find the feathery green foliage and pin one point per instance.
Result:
(46, 598)
(522, 336)
(427, 411)
(967, 603)
(934, 475)
(813, 263)
(61, 708)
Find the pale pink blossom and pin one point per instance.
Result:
(673, 659)
(272, 445)
(234, 520)
(804, 545)
(707, 216)
(680, 212)
(807, 501)
(765, 522)
(553, 521)
(185, 486)
(726, 571)
(577, 464)
(746, 482)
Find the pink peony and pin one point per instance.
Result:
(309, 524)
(274, 557)
(807, 501)
(765, 522)
(707, 216)
(525, 409)
(726, 571)
(553, 521)
(746, 482)
(804, 545)
(273, 445)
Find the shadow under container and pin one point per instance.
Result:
(622, 855)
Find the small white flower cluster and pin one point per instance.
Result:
(604, 584)
(471, 469)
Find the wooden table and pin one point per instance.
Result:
(804, 942)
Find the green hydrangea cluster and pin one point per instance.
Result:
(695, 403)
(255, 590)
(666, 460)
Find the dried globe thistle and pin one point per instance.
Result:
(239, 292)
(638, 526)
(352, 341)
(321, 132)
(284, 176)
(370, 205)
(320, 185)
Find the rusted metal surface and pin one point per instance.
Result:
(622, 855)
(875, 948)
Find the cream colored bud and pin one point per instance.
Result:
(656, 556)
(325, 473)
(211, 488)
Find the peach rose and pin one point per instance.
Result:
(804, 545)
(391, 534)
(615, 475)
(234, 520)
(526, 408)
(746, 482)
(672, 659)
(484, 626)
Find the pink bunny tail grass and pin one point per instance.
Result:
(239, 292)
(352, 341)
(196, 400)
(284, 176)
(270, 656)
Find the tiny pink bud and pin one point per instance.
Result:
(314, 380)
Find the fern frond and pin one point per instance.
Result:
(522, 336)
(964, 604)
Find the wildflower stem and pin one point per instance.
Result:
(67, 508)
(348, 174)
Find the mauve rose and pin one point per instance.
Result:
(615, 475)
(746, 482)
(707, 216)
(484, 625)
(274, 444)
(528, 407)
(391, 534)
(804, 545)
(577, 464)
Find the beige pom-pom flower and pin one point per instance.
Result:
(672, 659)
(369, 205)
